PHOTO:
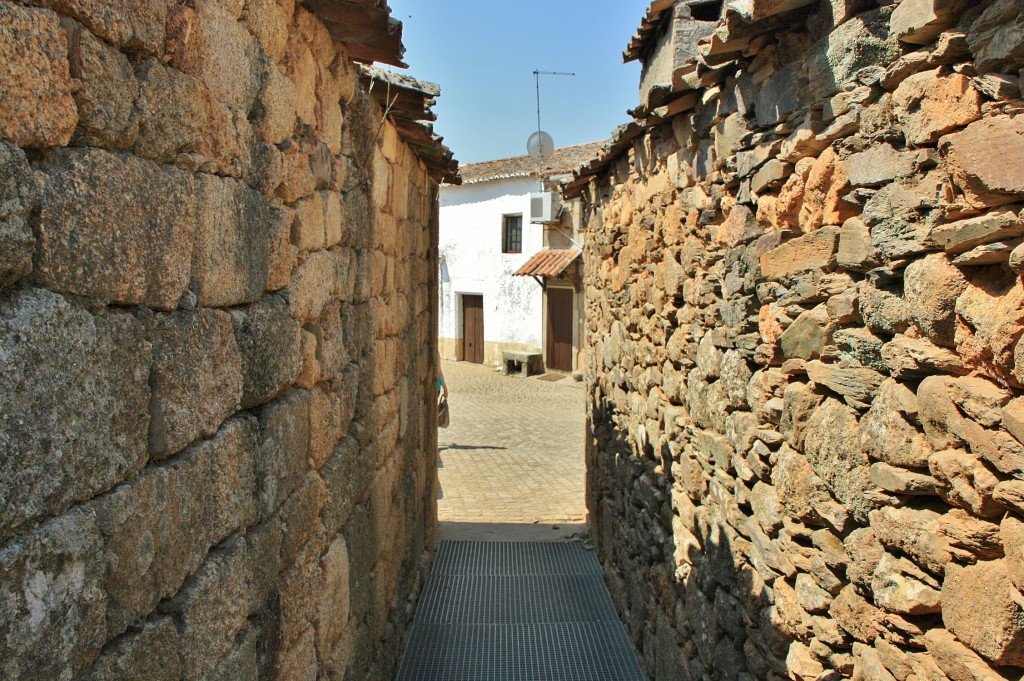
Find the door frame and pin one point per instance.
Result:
(462, 326)
(572, 324)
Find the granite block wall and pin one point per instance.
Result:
(217, 433)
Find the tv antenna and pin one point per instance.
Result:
(540, 146)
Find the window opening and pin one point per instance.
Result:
(706, 11)
(512, 234)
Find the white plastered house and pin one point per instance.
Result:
(509, 283)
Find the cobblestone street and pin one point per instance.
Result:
(514, 450)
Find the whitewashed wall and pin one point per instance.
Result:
(471, 262)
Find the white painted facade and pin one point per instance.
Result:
(472, 263)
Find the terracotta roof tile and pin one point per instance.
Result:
(564, 161)
(548, 262)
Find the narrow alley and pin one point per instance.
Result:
(515, 591)
(514, 450)
(781, 243)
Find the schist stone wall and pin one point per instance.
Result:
(216, 290)
(805, 312)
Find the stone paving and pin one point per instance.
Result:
(514, 450)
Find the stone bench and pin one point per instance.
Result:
(522, 363)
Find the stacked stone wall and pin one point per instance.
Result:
(217, 299)
(806, 374)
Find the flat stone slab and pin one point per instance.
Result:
(522, 362)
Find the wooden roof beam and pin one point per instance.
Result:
(365, 27)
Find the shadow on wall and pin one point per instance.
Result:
(702, 610)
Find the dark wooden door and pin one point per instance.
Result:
(473, 329)
(559, 355)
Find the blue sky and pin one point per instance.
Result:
(483, 55)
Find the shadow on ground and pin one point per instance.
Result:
(445, 448)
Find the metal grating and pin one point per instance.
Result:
(595, 651)
(496, 611)
(491, 599)
(514, 559)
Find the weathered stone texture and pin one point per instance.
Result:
(269, 342)
(929, 105)
(200, 500)
(930, 288)
(196, 379)
(107, 97)
(859, 43)
(182, 123)
(854, 494)
(816, 250)
(138, 28)
(18, 194)
(277, 108)
(151, 653)
(986, 161)
(92, 200)
(75, 404)
(268, 20)
(922, 21)
(38, 109)
(220, 51)
(878, 165)
(996, 631)
(52, 599)
(216, 428)
(994, 37)
(230, 264)
(991, 312)
(963, 235)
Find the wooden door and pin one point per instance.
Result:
(559, 355)
(473, 329)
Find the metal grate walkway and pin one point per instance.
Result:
(516, 611)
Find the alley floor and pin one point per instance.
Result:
(514, 450)
(515, 593)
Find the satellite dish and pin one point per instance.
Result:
(540, 146)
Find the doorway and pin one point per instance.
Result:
(559, 331)
(473, 329)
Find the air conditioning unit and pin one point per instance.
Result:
(544, 207)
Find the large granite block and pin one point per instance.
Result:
(115, 228)
(74, 404)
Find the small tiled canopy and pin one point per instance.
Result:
(548, 262)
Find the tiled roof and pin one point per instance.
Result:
(563, 162)
(548, 262)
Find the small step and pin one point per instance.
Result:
(516, 611)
